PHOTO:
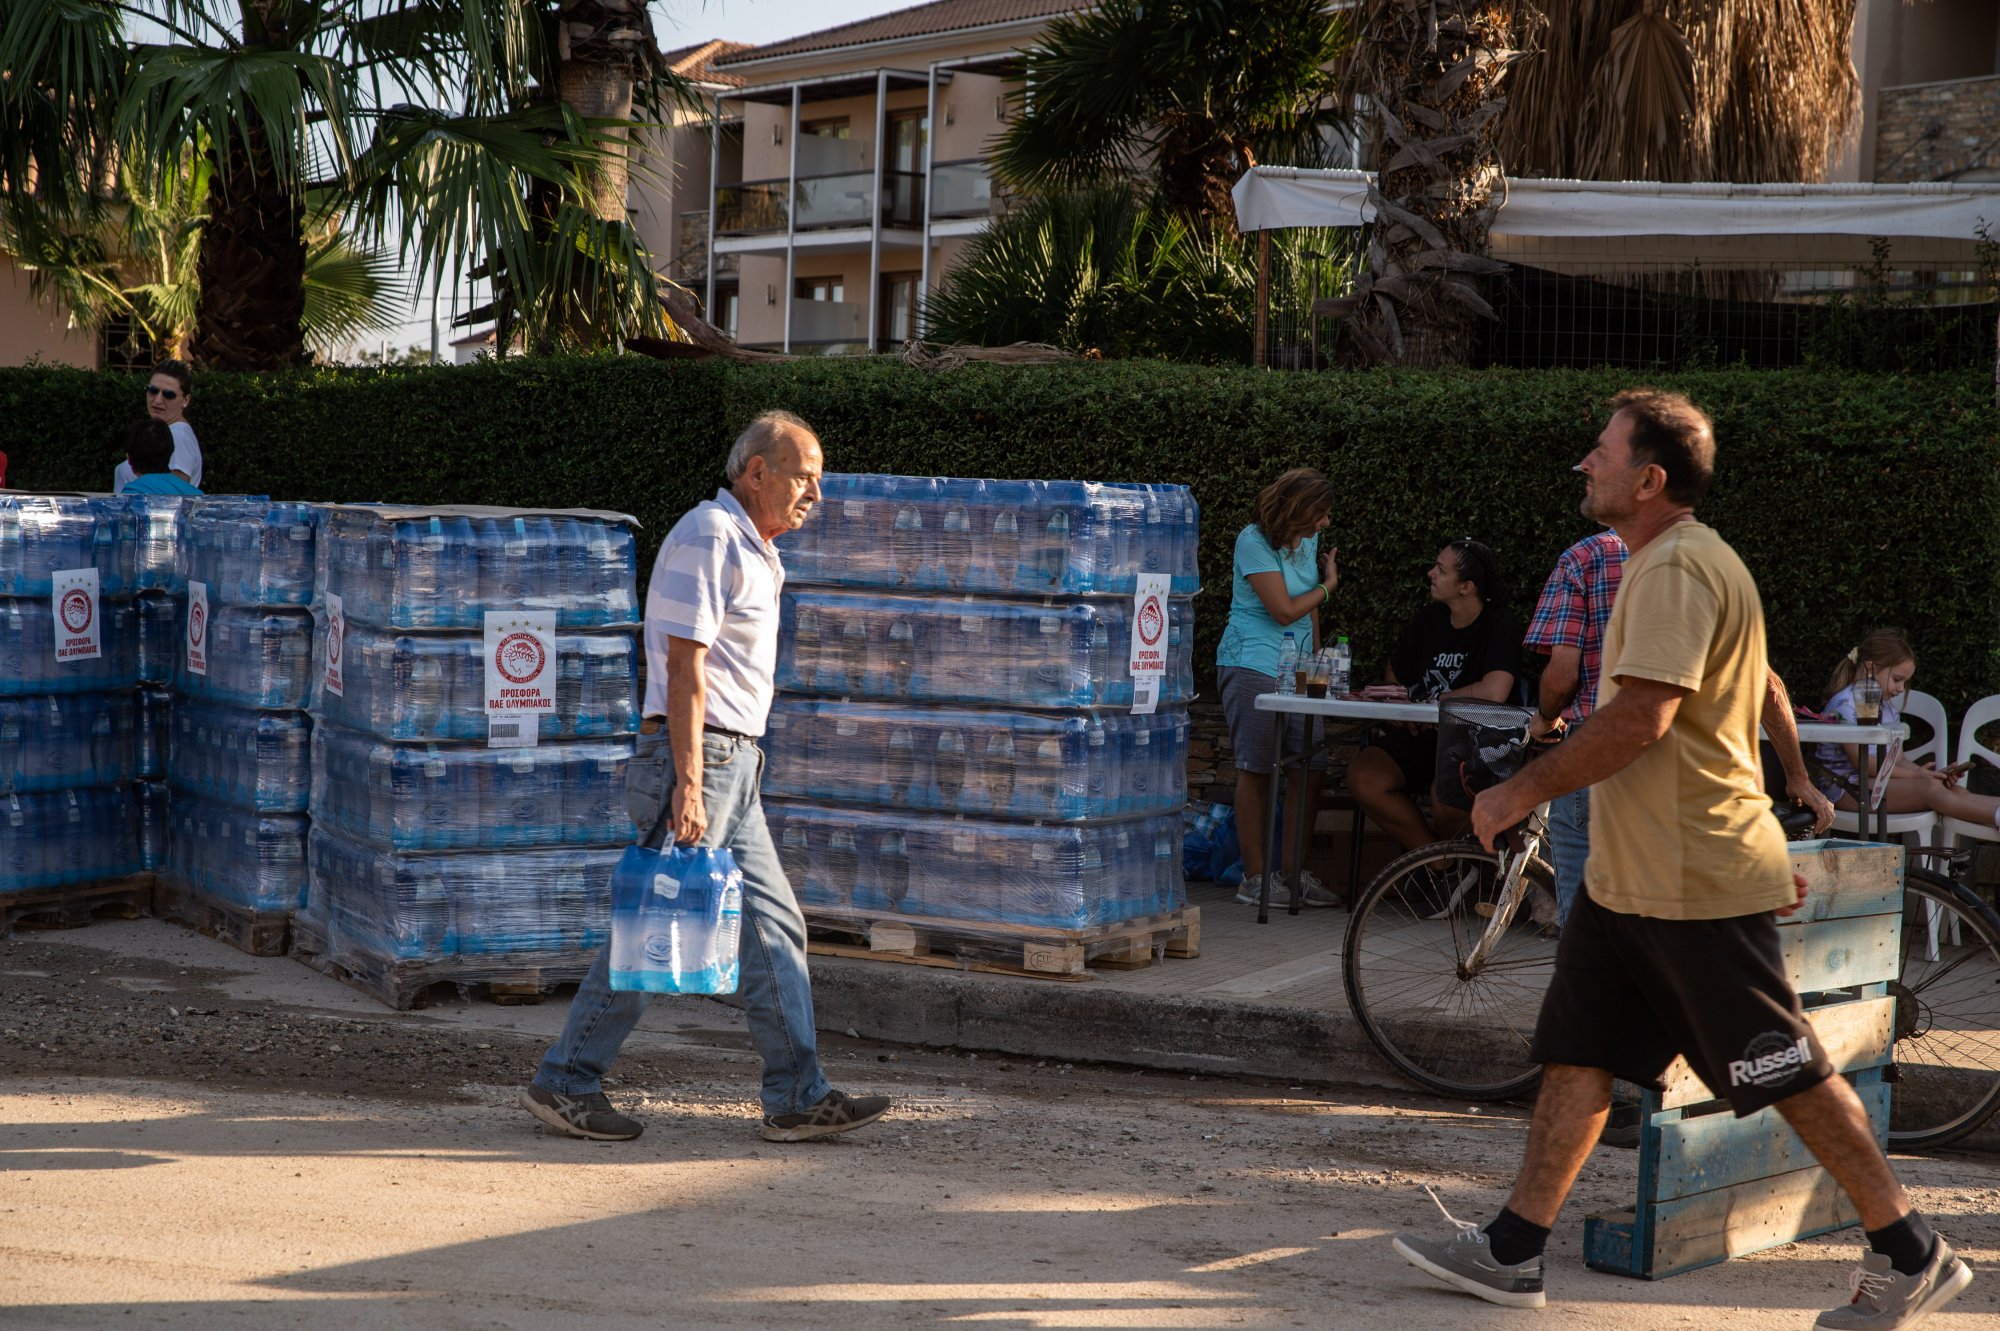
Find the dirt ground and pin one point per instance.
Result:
(181, 1147)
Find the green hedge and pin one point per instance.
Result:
(1856, 499)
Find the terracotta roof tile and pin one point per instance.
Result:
(696, 63)
(918, 21)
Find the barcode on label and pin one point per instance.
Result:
(504, 730)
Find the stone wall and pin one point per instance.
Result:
(1933, 131)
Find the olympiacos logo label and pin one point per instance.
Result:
(520, 658)
(77, 611)
(1152, 622)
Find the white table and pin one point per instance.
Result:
(1364, 712)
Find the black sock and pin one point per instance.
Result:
(1513, 1240)
(1908, 1244)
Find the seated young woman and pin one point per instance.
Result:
(1913, 787)
(1465, 643)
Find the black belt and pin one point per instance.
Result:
(659, 723)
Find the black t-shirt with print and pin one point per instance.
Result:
(1433, 658)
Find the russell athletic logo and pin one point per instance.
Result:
(1772, 1059)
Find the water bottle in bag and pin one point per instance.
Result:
(675, 918)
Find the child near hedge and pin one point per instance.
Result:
(1912, 788)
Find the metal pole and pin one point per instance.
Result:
(1261, 333)
(917, 323)
(714, 199)
(1312, 312)
(791, 216)
(875, 219)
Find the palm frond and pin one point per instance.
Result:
(350, 291)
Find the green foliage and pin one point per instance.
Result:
(1856, 500)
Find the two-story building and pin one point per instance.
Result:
(845, 171)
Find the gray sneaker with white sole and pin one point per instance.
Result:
(1885, 1299)
(588, 1116)
(1465, 1261)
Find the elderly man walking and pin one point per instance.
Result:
(1673, 947)
(711, 650)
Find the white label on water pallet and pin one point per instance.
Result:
(520, 676)
(336, 646)
(1149, 641)
(197, 628)
(74, 602)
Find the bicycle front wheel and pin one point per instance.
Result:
(1449, 1023)
(1946, 1074)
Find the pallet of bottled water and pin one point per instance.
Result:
(257, 760)
(1005, 538)
(44, 535)
(66, 838)
(159, 626)
(977, 872)
(63, 740)
(237, 856)
(155, 711)
(1062, 654)
(985, 762)
(406, 567)
(247, 551)
(394, 923)
(431, 687)
(256, 657)
(28, 660)
(411, 797)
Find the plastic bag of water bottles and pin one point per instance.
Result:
(248, 551)
(676, 915)
(42, 535)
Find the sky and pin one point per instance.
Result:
(683, 23)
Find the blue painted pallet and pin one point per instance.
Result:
(1713, 1186)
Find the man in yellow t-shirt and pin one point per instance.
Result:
(1673, 947)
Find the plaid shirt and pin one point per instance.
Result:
(1575, 607)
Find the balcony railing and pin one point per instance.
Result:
(758, 207)
(829, 321)
(962, 189)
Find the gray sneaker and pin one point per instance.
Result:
(1252, 885)
(837, 1111)
(1465, 1261)
(1884, 1299)
(589, 1116)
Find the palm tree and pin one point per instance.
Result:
(1684, 90)
(1194, 92)
(435, 119)
(1436, 72)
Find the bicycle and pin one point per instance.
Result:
(1451, 947)
(1946, 1061)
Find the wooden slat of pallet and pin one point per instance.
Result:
(77, 904)
(820, 947)
(1841, 952)
(1040, 951)
(1720, 1150)
(1849, 878)
(506, 978)
(1855, 1035)
(259, 933)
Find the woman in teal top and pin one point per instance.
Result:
(1277, 582)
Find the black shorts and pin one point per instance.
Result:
(1631, 992)
(1416, 755)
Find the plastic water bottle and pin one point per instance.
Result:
(1288, 665)
(892, 868)
(906, 544)
(1005, 547)
(1342, 681)
(955, 546)
(902, 656)
(948, 767)
(1053, 564)
(899, 766)
(999, 770)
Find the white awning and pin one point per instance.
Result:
(1607, 222)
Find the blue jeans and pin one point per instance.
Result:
(774, 985)
(1569, 847)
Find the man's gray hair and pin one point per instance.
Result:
(761, 436)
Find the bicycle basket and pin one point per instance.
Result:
(1479, 744)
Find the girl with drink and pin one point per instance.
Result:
(1873, 677)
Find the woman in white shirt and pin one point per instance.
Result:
(168, 393)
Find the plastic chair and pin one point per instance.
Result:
(1983, 713)
(1924, 826)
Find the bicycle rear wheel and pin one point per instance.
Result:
(1459, 1032)
(1946, 1071)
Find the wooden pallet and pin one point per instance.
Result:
(1713, 1186)
(1014, 949)
(261, 933)
(77, 904)
(506, 979)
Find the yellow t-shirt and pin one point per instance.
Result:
(1685, 831)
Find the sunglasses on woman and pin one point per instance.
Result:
(164, 394)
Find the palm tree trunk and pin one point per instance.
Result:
(602, 46)
(1434, 70)
(252, 266)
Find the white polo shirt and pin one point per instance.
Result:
(716, 581)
